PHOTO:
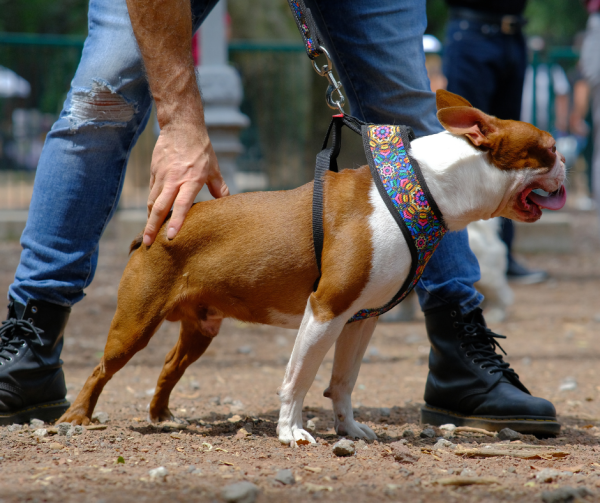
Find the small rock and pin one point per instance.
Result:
(244, 350)
(215, 400)
(242, 433)
(55, 446)
(63, 429)
(568, 384)
(547, 475)
(427, 433)
(405, 472)
(467, 472)
(158, 474)
(192, 470)
(100, 417)
(442, 444)
(566, 495)
(36, 423)
(242, 492)
(408, 433)
(234, 419)
(401, 453)
(227, 400)
(286, 477)
(15, 427)
(448, 427)
(311, 426)
(344, 447)
(511, 469)
(236, 406)
(508, 434)
(361, 444)
(75, 430)
(385, 411)
(41, 432)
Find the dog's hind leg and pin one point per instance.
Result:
(349, 351)
(129, 333)
(194, 337)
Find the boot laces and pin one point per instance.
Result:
(13, 335)
(482, 344)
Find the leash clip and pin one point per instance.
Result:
(334, 85)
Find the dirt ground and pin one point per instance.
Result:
(552, 344)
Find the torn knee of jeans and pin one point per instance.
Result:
(100, 106)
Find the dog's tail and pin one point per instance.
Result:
(136, 243)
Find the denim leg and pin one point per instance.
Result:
(82, 167)
(377, 49)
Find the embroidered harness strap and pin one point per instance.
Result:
(401, 185)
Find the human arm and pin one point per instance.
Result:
(183, 159)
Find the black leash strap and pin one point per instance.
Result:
(327, 161)
(307, 28)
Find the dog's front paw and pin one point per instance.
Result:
(352, 428)
(294, 436)
(75, 417)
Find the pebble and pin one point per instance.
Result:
(286, 477)
(41, 432)
(442, 443)
(508, 434)
(242, 492)
(361, 444)
(158, 474)
(100, 417)
(568, 384)
(36, 423)
(244, 350)
(511, 469)
(215, 400)
(547, 475)
(385, 411)
(427, 433)
(75, 430)
(408, 433)
(234, 419)
(193, 470)
(344, 447)
(401, 453)
(467, 472)
(311, 426)
(566, 494)
(15, 427)
(55, 446)
(448, 427)
(63, 429)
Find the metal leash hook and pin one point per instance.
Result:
(334, 86)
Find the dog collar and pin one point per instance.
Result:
(401, 185)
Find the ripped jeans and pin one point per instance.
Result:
(377, 49)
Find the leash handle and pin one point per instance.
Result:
(307, 28)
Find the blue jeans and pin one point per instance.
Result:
(377, 50)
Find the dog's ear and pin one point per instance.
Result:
(446, 99)
(468, 121)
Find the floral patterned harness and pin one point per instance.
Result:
(402, 187)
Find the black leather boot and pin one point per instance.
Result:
(470, 385)
(32, 383)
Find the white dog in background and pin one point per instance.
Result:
(491, 252)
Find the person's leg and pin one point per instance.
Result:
(377, 48)
(77, 186)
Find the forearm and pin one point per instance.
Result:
(163, 29)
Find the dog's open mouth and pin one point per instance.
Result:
(531, 202)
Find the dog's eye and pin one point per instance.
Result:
(553, 149)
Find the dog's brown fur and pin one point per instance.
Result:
(217, 267)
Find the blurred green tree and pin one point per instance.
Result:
(43, 16)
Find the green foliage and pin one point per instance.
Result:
(44, 16)
(262, 20)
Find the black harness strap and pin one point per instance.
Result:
(327, 161)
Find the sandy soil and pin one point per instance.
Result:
(552, 342)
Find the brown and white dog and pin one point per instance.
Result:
(251, 257)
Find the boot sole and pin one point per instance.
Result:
(529, 425)
(47, 412)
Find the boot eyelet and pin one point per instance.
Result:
(455, 324)
(474, 362)
(453, 314)
(30, 320)
(491, 373)
(34, 309)
(462, 346)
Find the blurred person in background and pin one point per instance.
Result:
(485, 58)
(590, 67)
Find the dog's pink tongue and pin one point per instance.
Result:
(554, 201)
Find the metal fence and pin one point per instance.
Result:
(283, 97)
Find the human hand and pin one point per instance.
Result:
(182, 162)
